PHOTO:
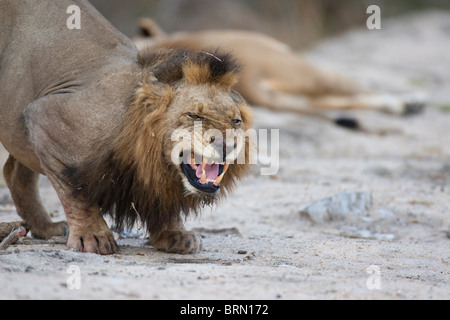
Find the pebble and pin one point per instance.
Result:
(338, 207)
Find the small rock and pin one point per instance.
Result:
(355, 233)
(384, 236)
(386, 213)
(338, 207)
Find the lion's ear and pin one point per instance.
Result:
(148, 28)
(244, 109)
(154, 94)
(246, 114)
(151, 78)
(237, 98)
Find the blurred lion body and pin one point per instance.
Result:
(273, 75)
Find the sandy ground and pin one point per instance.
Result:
(256, 243)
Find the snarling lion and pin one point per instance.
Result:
(276, 77)
(98, 119)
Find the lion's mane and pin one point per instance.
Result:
(127, 175)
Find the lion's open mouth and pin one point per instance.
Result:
(205, 177)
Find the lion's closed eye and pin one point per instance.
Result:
(194, 116)
(237, 122)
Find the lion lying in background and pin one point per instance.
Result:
(277, 78)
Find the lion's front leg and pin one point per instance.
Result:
(88, 231)
(175, 239)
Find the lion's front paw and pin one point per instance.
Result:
(178, 241)
(101, 242)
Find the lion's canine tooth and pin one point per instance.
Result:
(219, 179)
(203, 180)
(204, 163)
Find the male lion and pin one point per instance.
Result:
(277, 78)
(85, 109)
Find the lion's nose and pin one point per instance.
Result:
(219, 144)
(216, 142)
(222, 146)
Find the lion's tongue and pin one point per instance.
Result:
(211, 170)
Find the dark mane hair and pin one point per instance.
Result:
(170, 66)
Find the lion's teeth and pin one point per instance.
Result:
(203, 180)
(219, 179)
(205, 162)
(225, 167)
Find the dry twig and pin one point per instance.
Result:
(7, 227)
(13, 237)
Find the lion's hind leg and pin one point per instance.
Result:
(368, 101)
(23, 185)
